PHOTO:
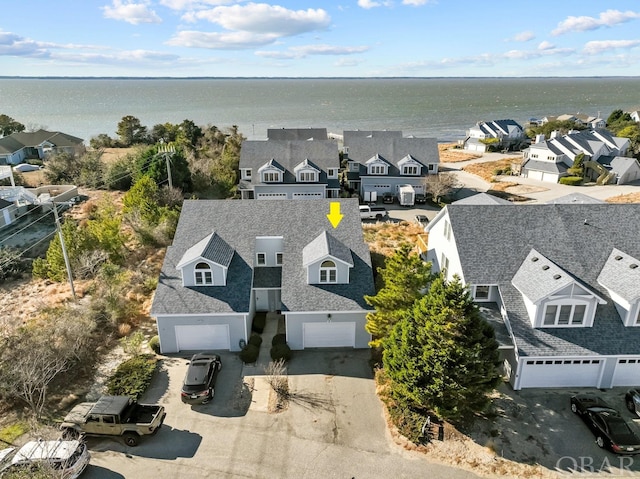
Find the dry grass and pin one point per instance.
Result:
(624, 199)
(486, 170)
(450, 154)
(385, 238)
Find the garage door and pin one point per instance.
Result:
(627, 373)
(202, 337)
(560, 373)
(308, 196)
(272, 196)
(535, 175)
(550, 177)
(328, 335)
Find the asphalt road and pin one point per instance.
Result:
(333, 428)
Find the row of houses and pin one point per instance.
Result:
(306, 164)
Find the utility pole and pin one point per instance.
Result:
(64, 250)
(167, 151)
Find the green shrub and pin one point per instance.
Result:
(132, 377)
(279, 339)
(259, 321)
(154, 344)
(255, 339)
(571, 180)
(12, 264)
(280, 351)
(250, 353)
(497, 171)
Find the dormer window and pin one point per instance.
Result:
(332, 172)
(328, 272)
(203, 274)
(377, 170)
(377, 166)
(306, 172)
(564, 314)
(410, 170)
(409, 166)
(271, 177)
(246, 173)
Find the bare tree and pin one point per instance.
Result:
(440, 184)
(33, 357)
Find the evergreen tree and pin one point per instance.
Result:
(405, 279)
(442, 355)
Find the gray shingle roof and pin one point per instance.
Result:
(238, 223)
(539, 277)
(424, 150)
(348, 135)
(213, 248)
(325, 244)
(482, 199)
(574, 198)
(267, 277)
(546, 166)
(494, 241)
(288, 154)
(297, 134)
(621, 274)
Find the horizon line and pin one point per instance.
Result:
(61, 77)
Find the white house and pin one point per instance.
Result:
(559, 282)
(508, 132)
(548, 160)
(230, 259)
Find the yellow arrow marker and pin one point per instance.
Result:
(335, 217)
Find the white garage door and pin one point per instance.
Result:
(202, 337)
(328, 335)
(535, 175)
(307, 196)
(627, 373)
(550, 177)
(272, 196)
(560, 373)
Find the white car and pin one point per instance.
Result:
(24, 167)
(66, 458)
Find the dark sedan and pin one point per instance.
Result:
(611, 429)
(199, 383)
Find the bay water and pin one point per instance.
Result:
(441, 108)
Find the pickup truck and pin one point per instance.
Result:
(372, 212)
(114, 416)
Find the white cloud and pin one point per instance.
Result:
(193, 4)
(221, 41)
(347, 62)
(262, 18)
(604, 45)
(415, 3)
(12, 44)
(545, 45)
(134, 13)
(523, 37)
(307, 50)
(367, 4)
(608, 18)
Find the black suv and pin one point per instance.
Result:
(387, 197)
(199, 383)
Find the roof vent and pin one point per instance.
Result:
(534, 259)
(545, 267)
(556, 276)
(633, 266)
(618, 258)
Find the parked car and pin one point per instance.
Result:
(611, 430)
(373, 212)
(199, 383)
(422, 220)
(421, 198)
(66, 459)
(632, 399)
(388, 197)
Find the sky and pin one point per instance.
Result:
(319, 38)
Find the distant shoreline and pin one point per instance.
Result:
(8, 77)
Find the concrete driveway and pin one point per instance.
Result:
(333, 428)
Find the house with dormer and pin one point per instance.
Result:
(604, 157)
(289, 169)
(383, 161)
(507, 134)
(559, 282)
(232, 259)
